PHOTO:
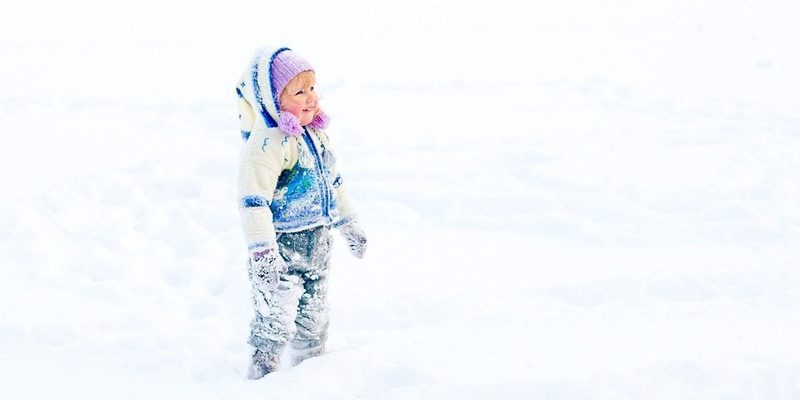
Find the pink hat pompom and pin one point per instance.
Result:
(289, 124)
(320, 121)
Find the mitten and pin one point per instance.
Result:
(355, 237)
(266, 265)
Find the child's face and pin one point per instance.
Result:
(299, 97)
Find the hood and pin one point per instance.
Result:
(255, 87)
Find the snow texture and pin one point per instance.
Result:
(563, 200)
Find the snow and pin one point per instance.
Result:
(564, 200)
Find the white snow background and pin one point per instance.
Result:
(564, 199)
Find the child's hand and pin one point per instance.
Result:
(266, 265)
(355, 237)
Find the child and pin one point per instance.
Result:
(290, 196)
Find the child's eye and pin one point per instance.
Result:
(312, 89)
(298, 93)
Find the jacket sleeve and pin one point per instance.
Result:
(347, 212)
(263, 157)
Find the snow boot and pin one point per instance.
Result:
(262, 364)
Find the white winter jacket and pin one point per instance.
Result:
(286, 183)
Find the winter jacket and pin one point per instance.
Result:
(286, 183)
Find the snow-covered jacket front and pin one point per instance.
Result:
(287, 183)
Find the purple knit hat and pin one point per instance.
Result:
(285, 65)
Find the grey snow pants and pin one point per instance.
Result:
(296, 311)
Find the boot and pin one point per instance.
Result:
(301, 355)
(261, 364)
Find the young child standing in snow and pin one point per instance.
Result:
(291, 195)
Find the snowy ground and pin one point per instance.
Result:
(565, 200)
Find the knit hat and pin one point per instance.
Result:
(286, 65)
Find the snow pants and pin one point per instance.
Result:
(296, 312)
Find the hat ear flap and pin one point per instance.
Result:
(320, 121)
(289, 124)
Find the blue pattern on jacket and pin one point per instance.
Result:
(305, 195)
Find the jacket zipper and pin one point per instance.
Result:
(324, 191)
